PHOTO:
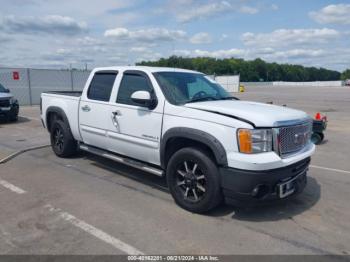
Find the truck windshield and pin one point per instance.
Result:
(2, 89)
(181, 88)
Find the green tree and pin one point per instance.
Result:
(253, 70)
(345, 75)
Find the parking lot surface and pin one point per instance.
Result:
(90, 205)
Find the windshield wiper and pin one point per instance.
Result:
(229, 98)
(202, 99)
(212, 98)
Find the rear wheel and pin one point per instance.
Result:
(62, 141)
(193, 180)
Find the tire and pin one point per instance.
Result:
(13, 118)
(62, 142)
(197, 189)
(317, 138)
(322, 136)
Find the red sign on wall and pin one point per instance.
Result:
(15, 75)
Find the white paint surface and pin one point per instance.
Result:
(118, 244)
(12, 187)
(331, 169)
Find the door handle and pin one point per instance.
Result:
(85, 108)
(117, 113)
(115, 120)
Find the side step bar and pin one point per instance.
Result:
(123, 160)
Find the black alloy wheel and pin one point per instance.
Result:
(191, 181)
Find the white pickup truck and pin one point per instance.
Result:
(183, 125)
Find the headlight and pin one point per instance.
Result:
(13, 100)
(252, 141)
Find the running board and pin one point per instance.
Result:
(123, 160)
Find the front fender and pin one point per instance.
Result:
(196, 135)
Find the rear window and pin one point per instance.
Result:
(101, 86)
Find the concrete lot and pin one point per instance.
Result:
(89, 205)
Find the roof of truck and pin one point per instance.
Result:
(149, 69)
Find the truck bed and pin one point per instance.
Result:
(65, 93)
(68, 102)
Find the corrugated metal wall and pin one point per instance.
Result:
(27, 84)
(32, 82)
(230, 83)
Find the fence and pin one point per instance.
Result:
(230, 83)
(286, 84)
(312, 83)
(27, 84)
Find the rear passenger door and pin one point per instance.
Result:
(137, 129)
(94, 117)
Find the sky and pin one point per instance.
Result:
(64, 33)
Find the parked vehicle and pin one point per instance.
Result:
(9, 107)
(183, 125)
(318, 127)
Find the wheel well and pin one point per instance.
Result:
(51, 118)
(176, 143)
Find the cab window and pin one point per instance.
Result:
(101, 86)
(130, 84)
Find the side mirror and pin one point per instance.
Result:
(7, 90)
(143, 98)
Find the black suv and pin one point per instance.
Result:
(8, 105)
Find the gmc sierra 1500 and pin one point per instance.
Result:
(183, 125)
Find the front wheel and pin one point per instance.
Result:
(62, 141)
(193, 180)
(13, 118)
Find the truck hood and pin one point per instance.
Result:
(5, 95)
(258, 114)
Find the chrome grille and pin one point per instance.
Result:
(5, 103)
(291, 139)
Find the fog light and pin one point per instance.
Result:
(260, 191)
(255, 191)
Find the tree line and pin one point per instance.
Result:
(250, 71)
